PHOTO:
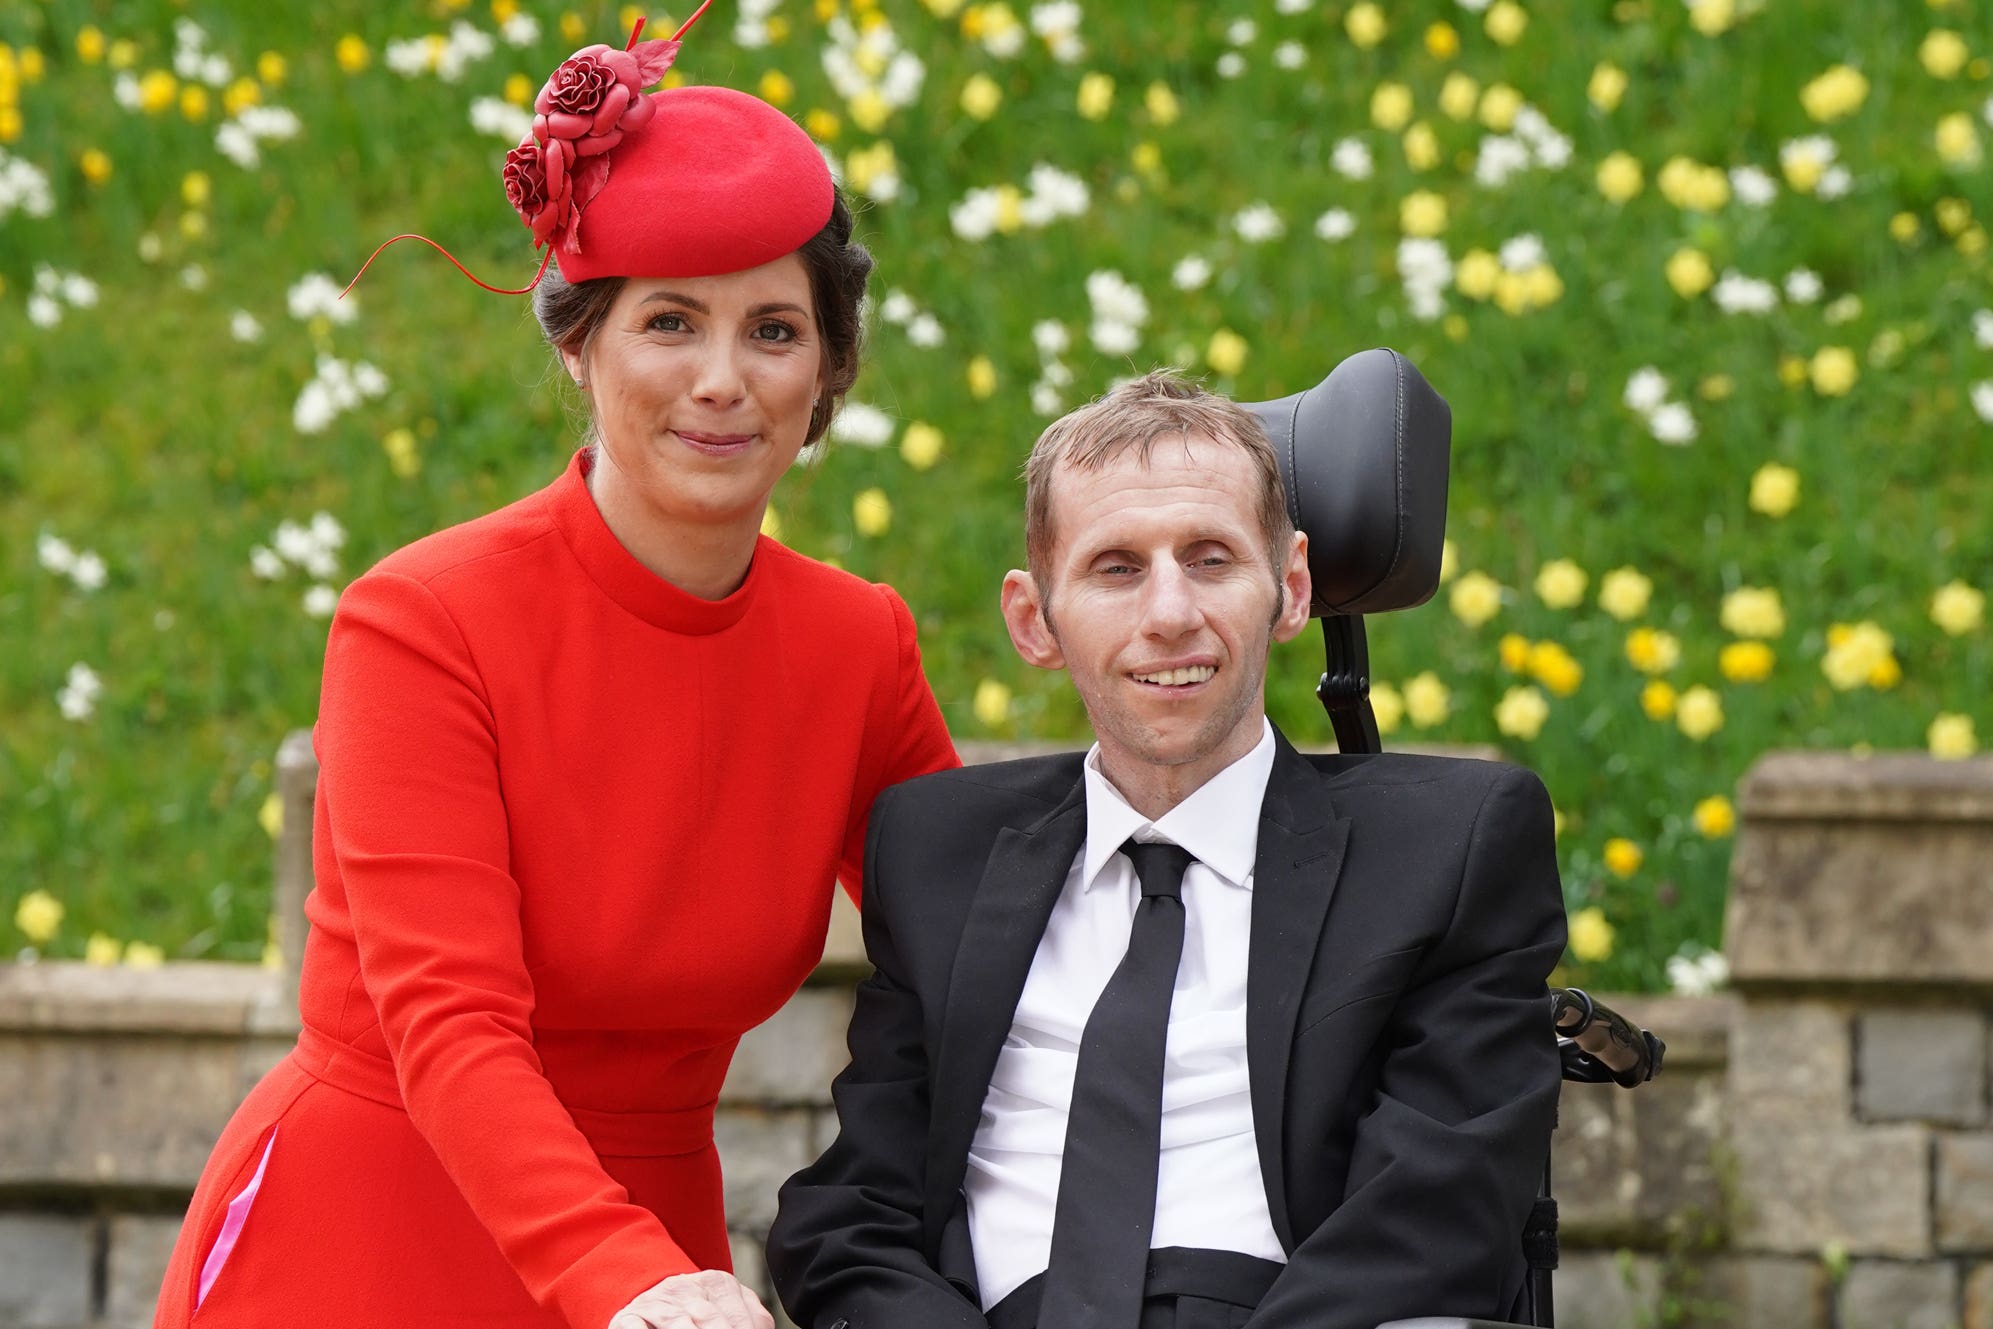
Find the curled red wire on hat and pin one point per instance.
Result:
(545, 258)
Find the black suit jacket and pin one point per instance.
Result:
(1406, 914)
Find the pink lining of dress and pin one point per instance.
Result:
(231, 1227)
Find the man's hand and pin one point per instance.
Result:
(709, 1299)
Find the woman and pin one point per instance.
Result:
(589, 765)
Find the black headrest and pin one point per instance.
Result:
(1364, 457)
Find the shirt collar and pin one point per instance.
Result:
(1218, 824)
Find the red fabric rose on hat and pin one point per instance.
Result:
(582, 112)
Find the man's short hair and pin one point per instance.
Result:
(1160, 405)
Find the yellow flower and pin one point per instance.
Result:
(1442, 42)
(241, 95)
(1146, 158)
(95, 164)
(1521, 713)
(992, 704)
(194, 102)
(980, 97)
(1620, 177)
(271, 67)
(1792, 371)
(1957, 140)
(1885, 674)
(403, 458)
(776, 88)
(1753, 611)
(1746, 661)
(1505, 22)
(1714, 818)
(872, 512)
(1657, 699)
(1606, 86)
(123, 54)
(1943, 53)
(982, 378)
(1391, 106)
(627, 16)
(1857, 653)
(1835, 94)
(1904, 226)
(1561, 583)
(1513, 651)
(865, 166)
(1161, 104)
(1652, 651)
(1622, 857)
(1591, 936)
(1422, 213)
(1459, 95)
(1699, 713)
(1449, 561)
(1954, 215)
(1689, 272)
(1833, 371)
(777, 28)
(1227, 352)
(351, 52)
(1541, 286)
(1624, 593)
(1951, 738)
(1712, 18)
(102, 951)
(1958, 608)
(1972, 241)
(193, 225)
(1387, 707)
(771, 523)
(1551, 665)
(157, 90)
(1475, 599)
(31, 64)
(573, 26)
(270, 814)
(144, 955)
(90, 43)
(1774, 489)
(1499, 105)
(921, 445)
(1477, 273)
(869, 110)
(1365, 25)
(1692, 186)
(38, 915)
(823, 125)
(1421, 147)
(1427, 700)
(10, 124)
(1096, 97)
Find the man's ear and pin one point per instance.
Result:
(1030, 629)
(1297, 588)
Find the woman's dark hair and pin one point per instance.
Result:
(571, 314)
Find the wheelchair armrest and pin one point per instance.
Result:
(1450, 1322)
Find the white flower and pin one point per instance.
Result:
(1335, 224)
(520, 30)
(1522, 253)
(1982, 400)
(1191, 272)
(1290, 55)
(1694, 972)
(80, 690)
(1500, 157)
(1843, 309)
(1350, 158)
(1045, 399)
(320, 601)
(1115, 299)
(314, 409)
(1061, 193)
(1814, 149)
(1982, 329)
(1049, 20)
(1110, 337)
(1231, 65)
(975, 217)
(326, 531)
(265, 564)
(187, 63)
(242, 326)
(1834, 183)
(1425, 302)
(1646, 390)
(750, 34)
(866, 426)
(237, 144)
(925, 331)
(1802, 286)
(79, 291)
(500, 118)
(215, 71)
(276, 123)
(370, 381)
(54, 554)
(1752, 187)
(1258, 224)
(1292, 6)
(1738, 294)
(194, 277)
(1672, 423)
(407, 58)
(125, 91)
(43, 311)
(898, 307)
(315, 294)
(1050, 337)
(89, 573)
(1242, 32)
(23, 187)
(1057, 374)
(1473, 6)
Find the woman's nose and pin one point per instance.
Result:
(718, 381)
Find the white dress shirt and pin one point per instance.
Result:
(1209, 1191)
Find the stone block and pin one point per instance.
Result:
(1607, 1290)
(1630, 1166)
(1921, 1065)
(1965, 1192)
(1755, 1292)
(751, 1265)
(1890, 1294)
(1802, 1186)
(45, 1264)
(1792, 1061)
(140, 1245)
(793, 1057)
(759, 1150)
(1978, 1309)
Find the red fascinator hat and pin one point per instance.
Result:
(687, 182)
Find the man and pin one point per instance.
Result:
(1299, 1075)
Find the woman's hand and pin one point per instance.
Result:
(709, 1299)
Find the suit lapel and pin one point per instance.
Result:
(1300, 856)
(1021, 882)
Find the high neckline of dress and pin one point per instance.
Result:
(628, 582)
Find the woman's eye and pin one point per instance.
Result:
(668, 323)
(775, 332)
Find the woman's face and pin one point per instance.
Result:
(702, 388)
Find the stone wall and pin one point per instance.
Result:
(1818, 1154)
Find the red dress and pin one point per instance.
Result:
(576, 832)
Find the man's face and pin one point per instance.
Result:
(1160, 599)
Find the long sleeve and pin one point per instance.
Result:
(409, 756)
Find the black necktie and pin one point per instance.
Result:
(1107, 1181)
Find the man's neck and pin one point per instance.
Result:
(1155, 790)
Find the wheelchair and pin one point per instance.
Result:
(1364, 457)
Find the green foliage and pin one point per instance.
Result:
(142, 430)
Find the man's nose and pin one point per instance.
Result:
(1169, 605)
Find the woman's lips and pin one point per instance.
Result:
(715, 445)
